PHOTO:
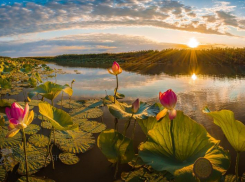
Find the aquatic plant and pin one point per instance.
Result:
(115, 70)
(192, 141)
(233, 129)
(19, 119)
(50, 90)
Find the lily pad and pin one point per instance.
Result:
(3, 173)
(68, 158)
(34, 179)
(92, 126)
(46, 124)
(39, 140)
(70, 104)
(23, 105)
(74, 141)
(8, 159)
(91, 103)
(41, 117)
(86, 112)
(9, 142)
(234, 130)
(191, 142)
(79, 121)
(35, 158)
(32, 129)
(123, 110)
(114, 146)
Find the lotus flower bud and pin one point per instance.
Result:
(168, 99)
(136, 106)
(116, 69)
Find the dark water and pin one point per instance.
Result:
(193, 94)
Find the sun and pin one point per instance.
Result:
(193, 43)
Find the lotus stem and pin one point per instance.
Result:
(116, 122)
(53, 134)
(116, 90)
(237, 164)
(116, 171)
(51, 154)
(24, 144)
(62, 99)
(134, 129)
(52, 102)
(172, 136)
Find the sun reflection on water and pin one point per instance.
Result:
(194, 77)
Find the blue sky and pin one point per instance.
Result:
(54, 27)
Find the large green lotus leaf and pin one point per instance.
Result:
(191, 142)
(147, 124)
(74, 141)
(219, 159)
(68, 158)
(234, 130)
(9, 142)
(50, 90)
(32, 129)
(35, 158)
(92, 126)
(39, 140)
(34, 179)
(118, 95)
(123, 110)
(86, 112)
(115, 147)
(3, 173)
(69, 104)
(60, 119)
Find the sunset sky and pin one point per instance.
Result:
(54, 27)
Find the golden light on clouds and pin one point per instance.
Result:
(193, 43)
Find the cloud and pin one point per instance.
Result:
(30, 17)
(81, 44)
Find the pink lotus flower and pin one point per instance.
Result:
(136, 106)
(168, 99)
(116, 69)
(18, 118)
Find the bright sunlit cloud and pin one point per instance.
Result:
(193, 43)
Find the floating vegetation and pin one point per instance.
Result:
(39, 140)
(68, 158)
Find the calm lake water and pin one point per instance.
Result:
(193, 94)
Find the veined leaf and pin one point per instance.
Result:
(60, 119)
(123, 110)
(115, 147)
(192, 141)
(234, 130)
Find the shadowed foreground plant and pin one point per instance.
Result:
(19, 119)
(233, 129)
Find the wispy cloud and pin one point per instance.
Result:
(78, 44)
(30, 17)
